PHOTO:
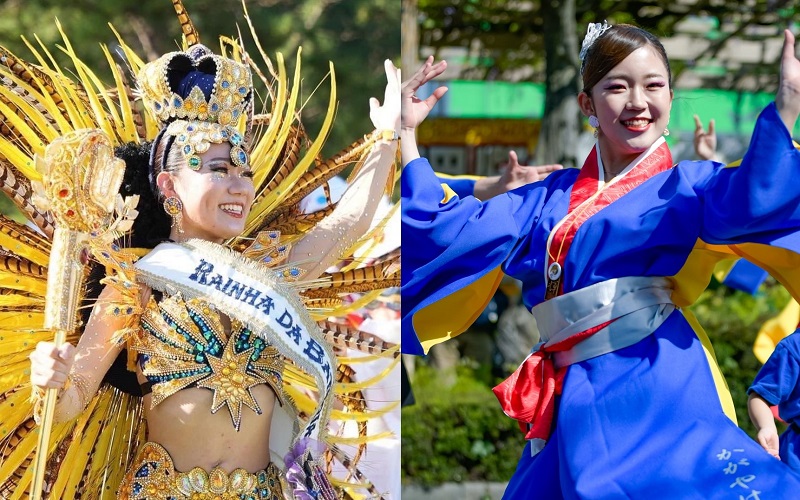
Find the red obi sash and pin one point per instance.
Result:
(528, 395)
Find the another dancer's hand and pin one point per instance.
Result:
(515, 175)
(50, 365)
(705, 143)
(787, 101)
(768, 439)
(415, 109)
(387, 116)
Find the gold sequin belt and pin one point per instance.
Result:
(153, 477)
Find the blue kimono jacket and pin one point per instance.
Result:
(644, 421)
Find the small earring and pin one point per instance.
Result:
(666, 132)
(174, 209)
(594, 123)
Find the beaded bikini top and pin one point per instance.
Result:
(183, 344)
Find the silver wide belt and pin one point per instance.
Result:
(638, 305)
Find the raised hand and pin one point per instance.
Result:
(787, 101)
(515, 175)
(415, 109)
(705, 143)
(387, 116)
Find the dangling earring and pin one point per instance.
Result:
(174, 209)
(594, 123)
(666, 132)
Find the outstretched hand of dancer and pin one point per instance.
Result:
(513, 176)
(787, 100)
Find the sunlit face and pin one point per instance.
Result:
(216, 198)
(632, 103)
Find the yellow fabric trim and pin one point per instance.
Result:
(782, 264)
(723, 269)
(723, 392)
(449, 194)
(437, 322)
(775, 329)
(467, 177)
(695, 274)
(738, 162)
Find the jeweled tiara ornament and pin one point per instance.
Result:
(198, 111)
(593, 32)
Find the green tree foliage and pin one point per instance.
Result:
(357, 35)
(456, 434)
(506, 38)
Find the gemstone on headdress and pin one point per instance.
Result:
(238, 156)
(202, 146)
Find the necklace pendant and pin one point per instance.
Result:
(554, 271)
(552, 288)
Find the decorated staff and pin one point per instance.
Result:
(80, 179)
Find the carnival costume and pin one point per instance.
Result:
(281, 333)
(615, 399)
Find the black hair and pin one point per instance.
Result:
(610, 48)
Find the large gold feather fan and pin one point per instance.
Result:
(40, 101)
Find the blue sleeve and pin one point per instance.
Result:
(757, 201)
(461, 185)
(778, 377)
(745, 276)
(449, 244)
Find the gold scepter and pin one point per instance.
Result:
(80, 181)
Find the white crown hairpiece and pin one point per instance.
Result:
(593, 32)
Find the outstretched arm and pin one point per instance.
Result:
(324, 245)
(762, 419)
